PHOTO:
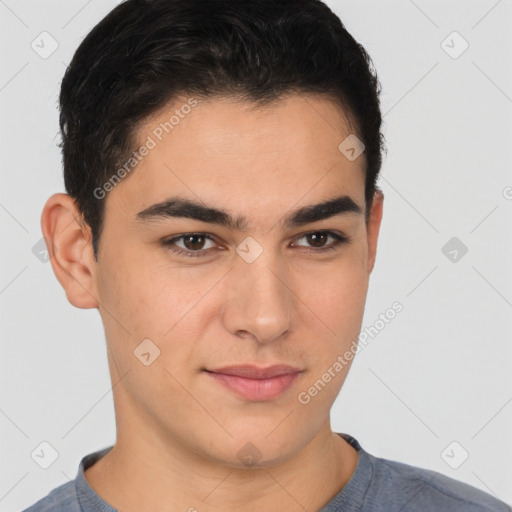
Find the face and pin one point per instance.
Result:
(266, 280)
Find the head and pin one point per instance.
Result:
(228, 120)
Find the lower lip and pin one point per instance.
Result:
(256, 389)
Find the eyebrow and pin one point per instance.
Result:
(180, 207)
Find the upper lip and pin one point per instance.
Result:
(254, 372)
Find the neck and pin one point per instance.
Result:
(142, 473)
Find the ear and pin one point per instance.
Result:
(68, 239)
(373, 227)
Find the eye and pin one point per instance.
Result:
(318, 239)
(193, 244)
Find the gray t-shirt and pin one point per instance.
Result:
(377, 485)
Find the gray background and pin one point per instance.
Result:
(439, 372)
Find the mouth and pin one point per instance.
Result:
(254, 383)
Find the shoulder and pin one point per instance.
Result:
(62, 498)
(419, 489)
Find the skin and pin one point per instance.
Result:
(179, 433)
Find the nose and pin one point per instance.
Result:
(260, 303)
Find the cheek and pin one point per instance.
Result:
(143, 301)
(337, 290)
(146, 296)
(336, 298)
(169, 306)
(339, 302)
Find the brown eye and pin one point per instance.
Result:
(317, 240)
(189, 244)
(193, 242)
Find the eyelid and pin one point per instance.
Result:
(338, 237)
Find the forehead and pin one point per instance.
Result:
(228, 152)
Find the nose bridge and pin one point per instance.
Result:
(261, 303)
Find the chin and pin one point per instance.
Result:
(255, 448)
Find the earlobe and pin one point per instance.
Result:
(69, 245)
(374, 223)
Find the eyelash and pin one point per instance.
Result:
(339, 239)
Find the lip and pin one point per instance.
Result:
(254, 383)
(251, 371)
